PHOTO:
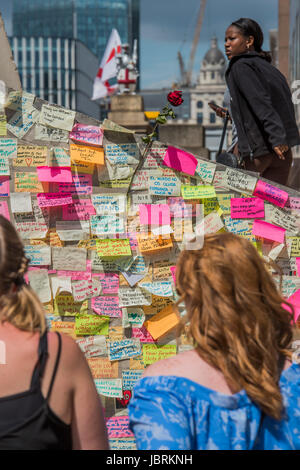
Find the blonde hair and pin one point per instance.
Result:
(236, 317)
(19, 304)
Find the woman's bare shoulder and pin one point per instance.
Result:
(70, 351)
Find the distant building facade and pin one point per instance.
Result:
(61, 71)
(90, 21)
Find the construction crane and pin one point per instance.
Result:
(186, 75)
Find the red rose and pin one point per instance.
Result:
(174, 97)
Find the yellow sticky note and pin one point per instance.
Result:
(295, 246)
(113, 248)
(67, 327)
(136, 364)
(149, 243)
(91, 325)
(29, 183)
(197, 192)
(3, 123)
(161, 323)
(81, 167)
(65, 305)
(153, 353)
(116, 333)
(158, 304)
(87, 154)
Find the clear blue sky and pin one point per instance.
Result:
(167, 26)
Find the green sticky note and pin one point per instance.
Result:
(113, 248)
(197, 192)
(91, 325)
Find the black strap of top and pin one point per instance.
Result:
(41, 363)
(56, 365)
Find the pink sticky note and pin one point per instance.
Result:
(54, 199)
(271, 193)
(54, 174)
(180, 160)
(247, 208)
(142, 334)
(294, 299)
(154, 214)
(265, 230)
(82, 209)
(118, 427)
(92, 135)
(109, 282)
(173, 272)
(81, 184)
(107, 306)
(4, 186)
(298, 266)
(4, 210)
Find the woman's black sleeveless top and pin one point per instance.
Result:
(26, 421)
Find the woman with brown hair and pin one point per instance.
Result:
(48, 398)
(237, 388)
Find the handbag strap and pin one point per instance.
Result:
(223, 133)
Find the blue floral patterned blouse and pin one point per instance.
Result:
(168, 412)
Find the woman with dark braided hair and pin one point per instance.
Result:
(237, 388)
(261, 103)
(48, 398)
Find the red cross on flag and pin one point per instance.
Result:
(108, 68)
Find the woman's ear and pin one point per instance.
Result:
(250, 42)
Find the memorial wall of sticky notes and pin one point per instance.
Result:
(103, 224)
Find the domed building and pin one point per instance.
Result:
(210, 86)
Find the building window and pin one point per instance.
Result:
(199, 118)
(200, 104)
(213, 75)
(212, 118)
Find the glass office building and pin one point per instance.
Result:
(90, 21)
(59, 70)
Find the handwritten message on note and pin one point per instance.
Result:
(197, 192)
(81, 185)
(149, 244)
(294, 246)
(130, 377)
(86, 134)
(113, 248)
(284, 219)
(53, 116)
(124, 349)
(102, 368)
(93, 346)
(247, 207)
(180, 160)
(91, 325)
(4, 186)
(108, 305)
(109, 203)
(87, 154)
(270, 193)
(8, 148)
(54, 199)
(265, 230)
(153, 353)
(131, 297)
(109, 387)
(81, 209)
(48, 134)
(118, 426)
(30, 156)
(206, 171)
(122, 154)
(238, 181)
(164, 185)
(38, 255)
(3, 125)
(109, 282)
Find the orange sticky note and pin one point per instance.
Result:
(163, 322)
(148, 243)
(87, 154)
